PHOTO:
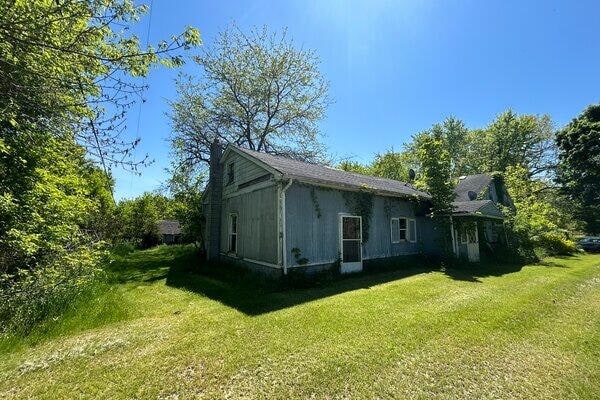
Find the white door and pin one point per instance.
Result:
(473, 244)
(351, 243)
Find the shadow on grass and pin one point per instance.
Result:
(149, 265)
(253, 294)
(473, 272)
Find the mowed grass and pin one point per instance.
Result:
(476, 332)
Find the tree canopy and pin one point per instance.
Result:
(256, 90)
(579, 167)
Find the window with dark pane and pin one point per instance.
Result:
(230, 173)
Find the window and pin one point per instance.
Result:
(399, 229)
(230, 173)
(233, 233)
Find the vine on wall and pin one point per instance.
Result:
(387, 207)
(313, 196)
(361, 203)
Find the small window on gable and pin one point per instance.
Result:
(233, 233)
(230, 172)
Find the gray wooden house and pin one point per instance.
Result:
(274, 213)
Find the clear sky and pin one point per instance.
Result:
(397, 67)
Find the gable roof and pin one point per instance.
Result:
(323, 175)
(477, 208)
(471, 183)
(169, 227)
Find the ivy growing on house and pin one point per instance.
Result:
(387, 207)
(313, 196)
(361, 203)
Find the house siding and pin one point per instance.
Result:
(245, 171)
(256, 224)
(318, 237)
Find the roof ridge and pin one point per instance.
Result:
(321, 165)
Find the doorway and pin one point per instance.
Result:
(351, 243)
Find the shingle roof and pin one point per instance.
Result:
(317, 173)
(169, 227)
(471, 183)
(476, 207)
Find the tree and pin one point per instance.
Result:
(68, 72)
(139, 217)
(356, 167)
(392, 165)
(65, 67)
(512, 139)
(436, 178)
(579, 166)
(186, 188)
(255, 90)
(535, 222)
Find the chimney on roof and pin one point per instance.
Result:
(213, 214)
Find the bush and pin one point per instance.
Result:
(123, 248)
(555, 244)
(31, 296)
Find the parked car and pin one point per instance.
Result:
(590, 244)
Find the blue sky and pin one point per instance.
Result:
(397, 67)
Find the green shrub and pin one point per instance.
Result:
(554, 244)
(28, 297)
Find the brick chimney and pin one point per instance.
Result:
(213, 215)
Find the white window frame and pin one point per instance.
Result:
(230, 233)
(406, 229)
(412, 231)
(463, 235)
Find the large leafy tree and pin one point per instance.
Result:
(579, 168)
(67, 78)
(65, 66)
(512, 139)
(255, 90)
(436, 179)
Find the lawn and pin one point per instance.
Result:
(160, 331)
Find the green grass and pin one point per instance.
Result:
(159, 331)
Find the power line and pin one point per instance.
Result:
(137, 129)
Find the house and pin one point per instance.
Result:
(274, 213)
(479, 196)
(169, 231)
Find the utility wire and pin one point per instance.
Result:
(137, 129)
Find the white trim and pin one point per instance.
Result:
(378, 256)
(265, 263)
(284, 235)
(255, 160)
(279, 230)
(250, 189)
(453, 233)
(230, 233)
(406, 230)
(341, 217)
